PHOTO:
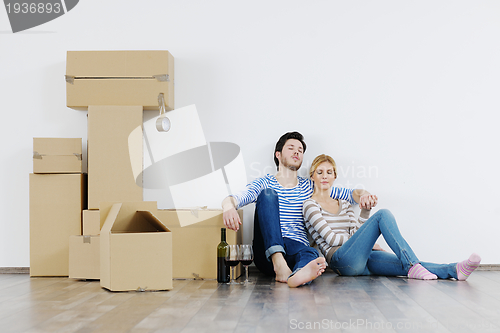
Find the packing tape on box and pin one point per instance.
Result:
(39, 156)
(86, 239)
(182, 164)
(159, 77)
(162, 77)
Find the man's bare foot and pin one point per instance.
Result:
(308, 273)
(280, 267)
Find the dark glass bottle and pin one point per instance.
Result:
(222, 269)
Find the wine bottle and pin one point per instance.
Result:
(222, 267)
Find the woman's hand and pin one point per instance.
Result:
(368, 201)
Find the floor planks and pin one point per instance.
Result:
(329, 304)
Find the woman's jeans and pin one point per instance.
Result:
(356, 257)
(267, 238)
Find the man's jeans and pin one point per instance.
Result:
(268, 240)
(356, 257)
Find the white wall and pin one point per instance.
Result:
(403, 94)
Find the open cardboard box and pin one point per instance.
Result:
(195, 236)
(136, 248)
(119, 78)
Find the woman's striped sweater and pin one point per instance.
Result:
(329, 231)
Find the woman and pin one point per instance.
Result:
(348, 243)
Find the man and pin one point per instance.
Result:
(280, 238)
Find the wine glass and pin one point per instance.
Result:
(246, 258)
(233, 259)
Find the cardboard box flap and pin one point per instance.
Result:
(191, 218)
(57, 147)
(126, 211)
(152, 220)
(141, 221)
(110, 218)
(117, 64)
(125, 218)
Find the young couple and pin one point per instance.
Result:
(286, 204)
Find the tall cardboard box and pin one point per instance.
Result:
(84, 256)
(136, 249)
(119, 78)
(114, 145)
(195, 236)
(56, 204)
(57, 155)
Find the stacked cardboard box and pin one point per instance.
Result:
(91, 222)
(195, 241)
(56, 203)
(121, 78)
(57, 155)
(114, 146)
(84, 249)
(84, 254)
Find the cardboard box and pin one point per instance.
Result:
(114, 145)
(57, 155)
(84, 257)
(202, 228)
(56, 204)
(91, 222)
(119, 78)
(136, 249)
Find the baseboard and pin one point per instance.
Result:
(14, 270)
(489, 267)
(26, 270)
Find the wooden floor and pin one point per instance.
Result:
(329, 304)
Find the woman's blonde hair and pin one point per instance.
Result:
(320, 159)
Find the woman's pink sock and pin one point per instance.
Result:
(466, 267)
(421, 273)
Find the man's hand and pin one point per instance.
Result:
(231, 219)
(364, 198)
(368, 201)
(230, 215)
